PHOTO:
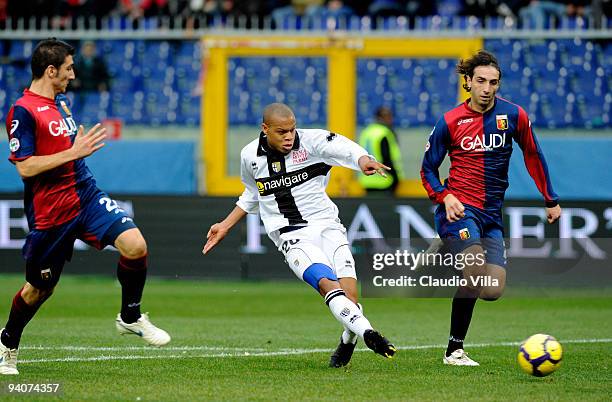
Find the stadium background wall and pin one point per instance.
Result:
(175, 228)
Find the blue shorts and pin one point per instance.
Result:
(476, 227)
(98, 224)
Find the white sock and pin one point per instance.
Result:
(347, 312)
(348, 336)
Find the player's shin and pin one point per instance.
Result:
(349, 336)
(461, 316)
(132, 274)
(347, 312)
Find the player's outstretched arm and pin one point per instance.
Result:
(219, 230)
(84, 145)
(369, 166)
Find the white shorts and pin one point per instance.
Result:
(318, 244)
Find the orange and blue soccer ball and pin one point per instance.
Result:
(540, 355)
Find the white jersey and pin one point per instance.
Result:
(289, 190)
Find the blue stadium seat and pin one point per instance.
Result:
(157, 81)
(21, 50)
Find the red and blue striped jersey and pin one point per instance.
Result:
(479, 146)
(37, 126)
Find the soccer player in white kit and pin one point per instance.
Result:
(285, 172)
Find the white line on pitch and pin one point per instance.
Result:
(137, 348)
(282, 352)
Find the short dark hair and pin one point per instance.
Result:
(381, 111)
(276, 109)
(49, 52)
(466, 67)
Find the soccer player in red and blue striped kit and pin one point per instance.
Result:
(62, 202)
(478, 137)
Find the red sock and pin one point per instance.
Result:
(21, 313)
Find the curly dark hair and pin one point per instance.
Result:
(49, 52)
(466, 67)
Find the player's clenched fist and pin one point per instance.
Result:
(454, 208)
(553, 214)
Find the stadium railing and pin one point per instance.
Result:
(185, 28)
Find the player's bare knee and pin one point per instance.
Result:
(32, 295)
(327, 285)
(474, 267)
(137, 248)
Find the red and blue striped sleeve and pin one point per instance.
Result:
(534, 158)
(21, 127)
(435, 151)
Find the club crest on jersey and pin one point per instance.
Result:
(299, 156)
(502, 121)
(464, 234)
(65, 107)
(45, 274)
(276, 167)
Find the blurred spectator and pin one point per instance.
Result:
(387, 8)
(510, 8)
(293, 11)
(32, 8)
(492, 8)
(479, 8)
(331, 9)
(201, 13)
(3, 13)
(69, 8)
(415, 9)
(539, 13)
(99, 8)
(145, 8)
(380, 141)
(90, 70)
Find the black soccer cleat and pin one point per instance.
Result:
(342, 355)
(378, 343)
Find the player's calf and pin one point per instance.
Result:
(132, 274)
(25, 304)
(497, 278)
(475, 268)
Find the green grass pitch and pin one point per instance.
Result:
(272, 340)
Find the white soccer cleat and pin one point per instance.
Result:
(459, 358)
(8, 360)
(143, 328)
